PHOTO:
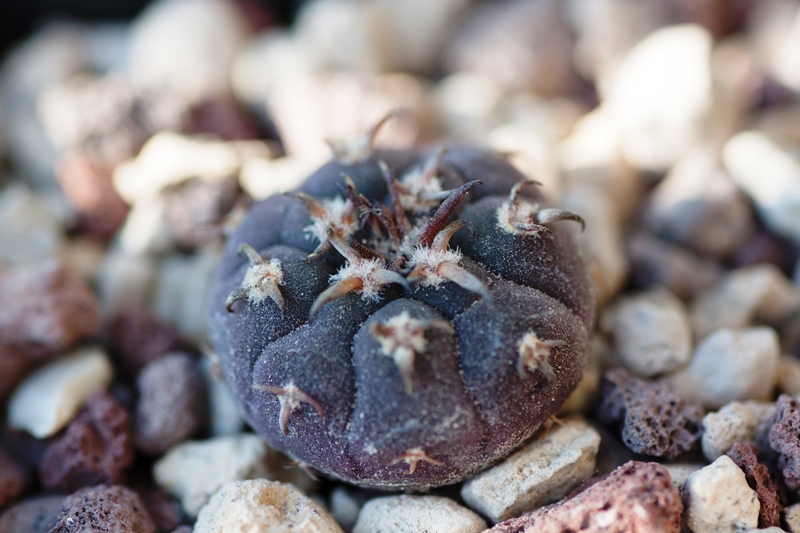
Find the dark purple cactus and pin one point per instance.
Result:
(405, 319)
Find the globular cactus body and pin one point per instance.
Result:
(401, 325)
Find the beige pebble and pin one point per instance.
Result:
(412, 514)
(736, 422)
(544, 470)
(262, 506)
(651, 332)
(49, 398)
(719, 499)
(194, 470)
(730, 365)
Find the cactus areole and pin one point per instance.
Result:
(405, 319)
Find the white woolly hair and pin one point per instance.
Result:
(430, 259)
(256, 275)
(416, 182)
(365, 270)
(335, 217)
(510, 212)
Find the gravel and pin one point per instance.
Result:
(128, 152)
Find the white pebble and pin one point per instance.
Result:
(187, 46)
(789, 375)
(181, 292)
(736, 422)
(124, 281)
(30, 229)
(758, 292)
(262, 506)
(194, 470)
(412, 514)
(544, 470)
(223, 412)
(730, 365)
(603, 237)
(48, 399)
(652, 333)
(661, 95)
(768, 170)
(718, 499)
(791, 515)
(344, 507)
(680, 472)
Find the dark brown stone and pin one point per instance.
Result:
(137, 338)
(13, 478)
(655, 420)
(96, 448)
(757, 474)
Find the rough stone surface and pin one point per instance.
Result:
(96, 448)
(193, 471)
(187, 46)
(651, 332)
(223, 412)
(635, 498)
(407, 514)
(543, 471)
(344, 507)
(680, 472)
(47, 309)
(697, 205)
(13, 479)
(789, 375)
(730, 365)
(101, 509)
(784, 438)
(655, 420)
(138, 338)
(262, 506)
(718, 498)
(748, 422)
(661, 93)
(49, 398)
(768, 171)
(31, 229)
(791, 515)
(758, 478)
(755, 293)
(35, 515)
(173, 403)
(657, 263)
(532, 37)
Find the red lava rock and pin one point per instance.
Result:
(137, 338)
(655, 420)
(13, 479)
(635, 498)
(87, 184)
(104, 508)
(784, 438)
(757, 474)
(46, 309)
(36, 515)
(173, 403)
(96, 448)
